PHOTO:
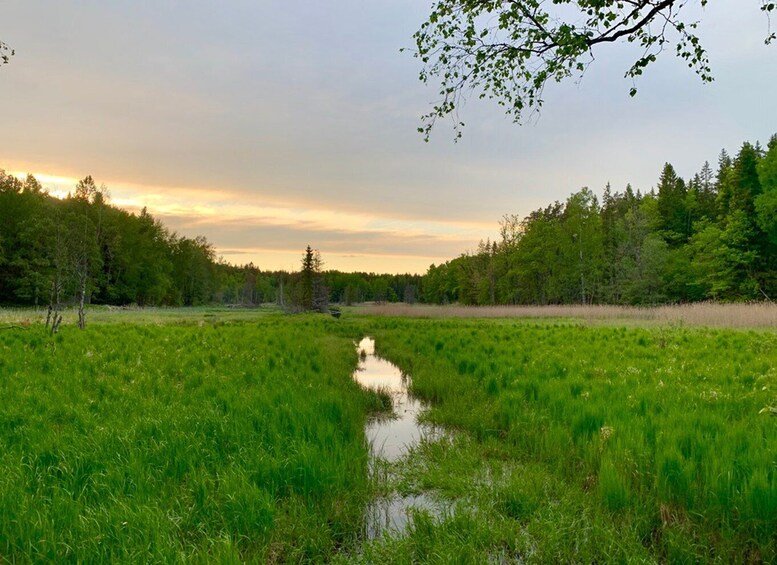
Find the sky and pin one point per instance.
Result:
(270, 125)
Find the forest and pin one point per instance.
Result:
(51, 249)
(710, 237)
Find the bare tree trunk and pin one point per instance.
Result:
(83, 276)
(54, 315)
(51, 304)
(582, 279)
(56, 323)
(82, 297)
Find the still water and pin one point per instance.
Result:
(390, 437)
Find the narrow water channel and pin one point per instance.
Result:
(390, 437)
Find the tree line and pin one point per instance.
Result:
(82, 249)
(712, 236)
(248, 285)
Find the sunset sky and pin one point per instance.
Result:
(268, 125)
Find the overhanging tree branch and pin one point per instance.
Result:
(508, 50)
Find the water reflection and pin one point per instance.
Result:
(390, 436)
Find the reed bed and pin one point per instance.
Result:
(712, 314)
(10, 316)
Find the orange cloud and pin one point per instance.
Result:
(388, 239)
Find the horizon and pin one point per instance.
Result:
(61, 187)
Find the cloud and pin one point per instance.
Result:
(262, 125)
(249, 227)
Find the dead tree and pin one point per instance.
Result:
(54, 316)
(83, 275)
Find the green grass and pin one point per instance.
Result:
(220, 442)
(201, 435)
(638, 443)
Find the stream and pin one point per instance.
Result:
(390, 436)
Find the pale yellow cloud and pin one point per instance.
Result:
(390, 241)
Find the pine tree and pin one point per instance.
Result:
(308, 273)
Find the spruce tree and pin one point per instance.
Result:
(672, 206)
(308, 273)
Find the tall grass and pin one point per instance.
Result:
(200, 436)
(158, 444)
(662, 429)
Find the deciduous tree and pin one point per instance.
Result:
(508, 50)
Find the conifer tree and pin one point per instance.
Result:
(672, 206)
(308, 273)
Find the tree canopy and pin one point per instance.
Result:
(60, 250)
(708, 237)
(508, 50)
